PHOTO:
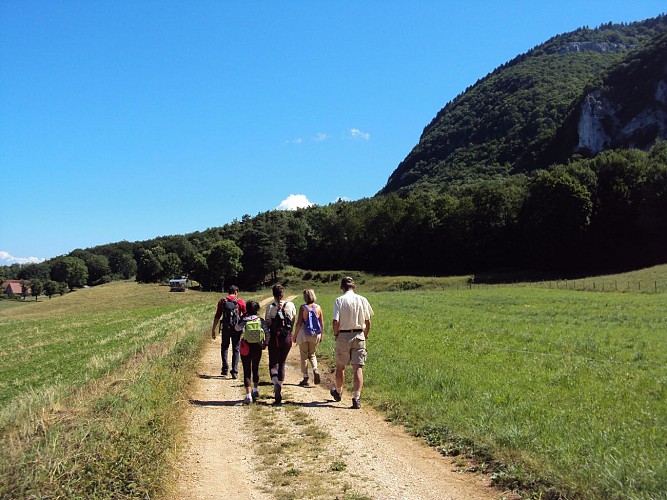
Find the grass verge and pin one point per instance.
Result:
(108, 429)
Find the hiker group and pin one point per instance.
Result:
(247, 334)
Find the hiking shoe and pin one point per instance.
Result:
(234, 375)
(304, 383)
(316, 376)
(223, 373)
(278, 390)
(356, 404)
(254, 394)
(247, 400)
(334, 394)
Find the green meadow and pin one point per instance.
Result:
(552, 391)
(555, 390)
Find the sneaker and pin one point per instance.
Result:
(234, 375)
(356, 404)
(304, 383)
(254, 394)
(223, 373)
(247, 400)
(334, 394)
(278, 389)
(316, 376)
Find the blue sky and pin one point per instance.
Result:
(128, 120)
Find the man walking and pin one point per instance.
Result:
(351, 324)
(230, 310)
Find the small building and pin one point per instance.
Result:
(13, 288)
(179, 284)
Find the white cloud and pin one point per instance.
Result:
(355, 133)
(320, 137)
(10, 259)
(298, 140)
(294, 201)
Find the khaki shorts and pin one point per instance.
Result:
(350, 349)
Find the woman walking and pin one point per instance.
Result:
(280, 318)
(255, 334)
(309, 328)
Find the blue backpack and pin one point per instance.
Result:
(312, 324)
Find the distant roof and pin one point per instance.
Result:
(14, 287)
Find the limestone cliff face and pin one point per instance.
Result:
(593, 46)
(606, 123)
(592, 134)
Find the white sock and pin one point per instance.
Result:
(357, 394)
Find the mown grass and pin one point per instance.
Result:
(562, 392)
(90, 388)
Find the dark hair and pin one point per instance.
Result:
(278, 292)
(252, 307)
(233, 289)
(347, 283)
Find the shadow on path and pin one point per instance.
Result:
(200, 402)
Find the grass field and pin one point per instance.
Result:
(559, 390)
(555, 391)
(89, 385)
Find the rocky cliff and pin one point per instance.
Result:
(629, 109)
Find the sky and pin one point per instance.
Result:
(129, 120)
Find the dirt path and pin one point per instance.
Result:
(228, 456)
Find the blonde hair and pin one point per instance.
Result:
(309, 296)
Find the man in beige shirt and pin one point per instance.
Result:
(351, 324)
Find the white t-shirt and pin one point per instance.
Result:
(272, 310)
(351, 311)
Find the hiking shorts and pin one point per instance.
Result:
(350, 349)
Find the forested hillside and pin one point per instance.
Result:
(552, 163)
(524, 115)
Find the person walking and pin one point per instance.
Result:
(230, 309)
(254, 338)
(308, 335)
(351, 325)
(280, 317)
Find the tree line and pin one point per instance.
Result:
(589, 215)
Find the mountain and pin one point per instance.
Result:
(577, 93)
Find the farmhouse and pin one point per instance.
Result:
(13, 288)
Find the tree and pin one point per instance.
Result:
(50, 288)
(25, 288)
(555, 215)
(172, 266)
(149, 267)
(70, 270)
(224, 262)
(98, 269)
(123, 264)
(200, 271)
(30, 271)
(36, 288)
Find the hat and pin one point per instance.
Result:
(244, 348)
(347, 281)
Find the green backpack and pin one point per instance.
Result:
(253, 333)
